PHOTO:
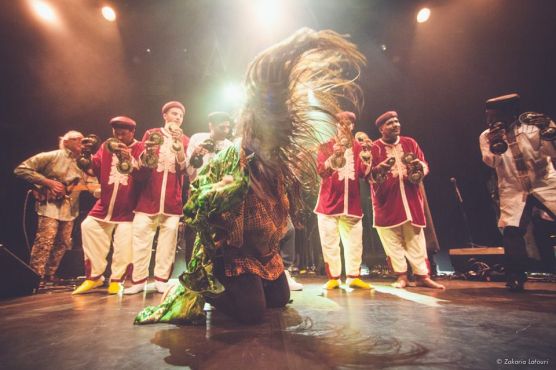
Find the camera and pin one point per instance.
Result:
(90, 144)
(542, 121)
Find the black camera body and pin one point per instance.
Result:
(542, 121)
(496, 134)
(90, 143)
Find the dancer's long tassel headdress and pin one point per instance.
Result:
(293, 92)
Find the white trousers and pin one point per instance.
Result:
(405, 242)
(350, 231)
(97, 236)
(144, 229)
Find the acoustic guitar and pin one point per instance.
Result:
(43, 194)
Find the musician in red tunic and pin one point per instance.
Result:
(110, 220)
(398, 167)
(339, 206)
(160, 201)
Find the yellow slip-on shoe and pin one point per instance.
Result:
(332, 284)
(87, 285)
(114, 287)
(359, 284)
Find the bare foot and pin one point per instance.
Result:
(429, 283)
(401, 282)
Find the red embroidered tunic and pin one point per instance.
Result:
(397, 200)
(339, 189)
(162, 190)
(119, 191)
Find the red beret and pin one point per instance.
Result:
(346, 115)
(123, 122)
(385, 117)
(173, 104)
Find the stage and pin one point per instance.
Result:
(471, 325)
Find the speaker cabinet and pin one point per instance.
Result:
(16, 277)
(463, 258)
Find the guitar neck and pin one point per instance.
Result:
(83, 187)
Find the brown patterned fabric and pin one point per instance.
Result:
(257, 228)
(52, 241)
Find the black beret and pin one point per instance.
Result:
(504, 103)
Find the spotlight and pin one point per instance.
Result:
(108, 13)
(423, 15)
(268, 12)
(44, 11)
(233, 94)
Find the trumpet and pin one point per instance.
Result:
(90, 144)
(150, 158)
(542, 121)
(415, 171)
(115, 146)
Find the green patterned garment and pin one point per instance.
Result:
(220, 187)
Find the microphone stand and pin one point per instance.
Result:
(463, 214)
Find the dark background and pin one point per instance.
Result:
(437, 75)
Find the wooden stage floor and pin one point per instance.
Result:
(471, 325)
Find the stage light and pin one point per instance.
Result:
(108, 13)
(423, 15)
(44, 10)
(268, 12)
(233, 94)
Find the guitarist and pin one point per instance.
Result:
(51, 172)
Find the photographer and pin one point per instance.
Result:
(204, 145)
(520, 149)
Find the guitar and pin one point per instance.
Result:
(43, 194)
